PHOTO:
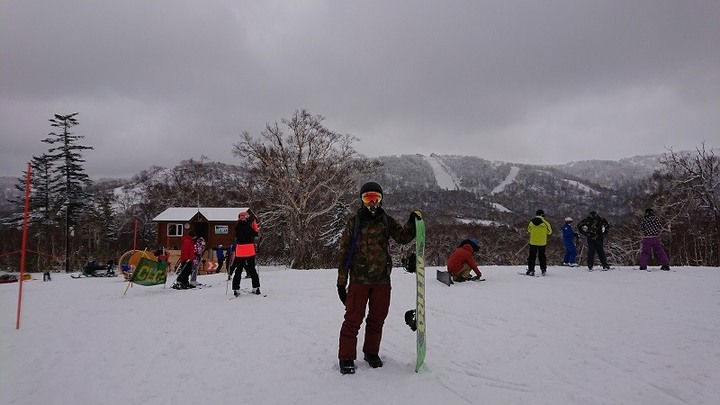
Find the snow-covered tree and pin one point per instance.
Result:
(305, 174)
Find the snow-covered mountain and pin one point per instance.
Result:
(467, 189)
(470, 188)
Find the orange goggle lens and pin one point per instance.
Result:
(371, 196)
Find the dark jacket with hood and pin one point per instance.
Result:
(594, 226)
(364, 256)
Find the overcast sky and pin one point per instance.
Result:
(552, 81)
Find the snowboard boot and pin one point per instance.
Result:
(544, 271)
(347, 367)
(373, 360)
(530, 272)
(236, 292)
(665, 268)
(256, 290)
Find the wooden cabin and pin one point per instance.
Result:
(216, 225)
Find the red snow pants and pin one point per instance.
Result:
(377, 298)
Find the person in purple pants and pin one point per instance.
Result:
(651, 242)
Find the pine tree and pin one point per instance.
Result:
(70, 179)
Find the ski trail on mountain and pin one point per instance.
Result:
(444, 178)
(508, 180)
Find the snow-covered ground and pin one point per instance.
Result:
(574, 337)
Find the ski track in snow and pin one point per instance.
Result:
(508, 180)
(444, 178)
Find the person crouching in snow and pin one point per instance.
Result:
(461, 261)
(364, 260)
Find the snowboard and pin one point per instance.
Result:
(443, 277)
(420, 291)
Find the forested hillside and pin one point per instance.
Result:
(461, 197)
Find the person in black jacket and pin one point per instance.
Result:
(595, 227)
(246, 230)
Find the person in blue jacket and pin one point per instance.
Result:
(570, 238)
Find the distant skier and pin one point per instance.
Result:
(91, 267)
(246, 230)
(461, 261)
(595, 227)
(539, 229)
(570, 238)
(220, 252)
(187, 254)
(651, 242)
(197, 260)
(364, 261)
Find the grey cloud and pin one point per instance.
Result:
(157, 82)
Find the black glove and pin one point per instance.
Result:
(342, 293)
(416, 215)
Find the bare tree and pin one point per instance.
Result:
(306, 173)
(690, 188)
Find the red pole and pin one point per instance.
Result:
(135, 235)
(24, 243)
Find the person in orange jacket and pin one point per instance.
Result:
(461, 261)
(246, 230)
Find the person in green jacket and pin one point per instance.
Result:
(539, 229)
(364, 275)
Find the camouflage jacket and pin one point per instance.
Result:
(369, 261)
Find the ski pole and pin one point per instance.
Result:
(521, 249)
(227, 285)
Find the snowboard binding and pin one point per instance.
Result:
(409, 263)
(410, 319)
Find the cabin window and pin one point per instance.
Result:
(175, 229)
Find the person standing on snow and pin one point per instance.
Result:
(198, 260)
(595, 227)
(651, 242)
(187, 254)
(246, 230)
(570, 238)
(364, 260)
(220, 252)
(461, 261)
(539, 229)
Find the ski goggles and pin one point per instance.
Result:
(371, 196)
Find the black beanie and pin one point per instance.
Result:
(370, 186)
(540, 212)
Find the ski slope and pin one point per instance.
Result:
(514, 170)
(445, 178)
(574, 337)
